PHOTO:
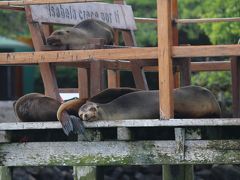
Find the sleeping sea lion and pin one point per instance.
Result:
(36, 107)
(189, 102)
(79, 36)
(68, 112)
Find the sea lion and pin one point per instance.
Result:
(68, 112)
(189, 102)
(78, 36)
(36, 107)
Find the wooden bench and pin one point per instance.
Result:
(40, 19)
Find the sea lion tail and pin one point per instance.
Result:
(78, 126)
(66, 122)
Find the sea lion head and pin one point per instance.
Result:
(67, 36)
(89, 111)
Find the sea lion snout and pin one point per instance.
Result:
(88, 112)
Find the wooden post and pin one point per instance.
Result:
(96, 77)
(47, 71)
(165, 58)
(83, 83)
(235, 70)
(5, 173)
(87, 172)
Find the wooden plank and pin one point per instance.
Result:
(190, 21)
(139, 76)
(83, 83)
(113, 78)
(200, 66)
(126, 123)
(96, 77)
(5, 173)
(46, 70)
(117, 16)
(30, 2)
(235, 70)
(147, 53)
(118, 153)
(207, 20)
(210, 66)
(165, 58)
(206, 51)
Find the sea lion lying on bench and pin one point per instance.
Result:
(79, 36)
(189, 102)
(35, 107)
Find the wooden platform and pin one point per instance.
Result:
(182, 150)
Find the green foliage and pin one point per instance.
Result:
(220, 84)
(13, 24)
(219, 33)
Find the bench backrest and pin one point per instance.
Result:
(116, 15)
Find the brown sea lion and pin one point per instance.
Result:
(68, 112)
(36, 107)
(79, 36)
(189, 102)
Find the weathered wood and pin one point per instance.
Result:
(96, 77)
(126, 123)
(5, 173)
(200, 66)
(46, 70)
(118, 153)
(84, 172)
(29, 2)
(113, 78)
(117, 16)
(165, 58)
(189, 21)
(83, 83)
(206, 51)
(206, 20)
(210, 66)
(123, 134)
(235, 70)
(147, 53)
(139, 76)
(176, 172)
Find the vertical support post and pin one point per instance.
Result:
(113, 78)
(235, 70)
(83, 85)
(165, 58)
(47, 71)
(96, 77)
(87, 172)
(5, 173)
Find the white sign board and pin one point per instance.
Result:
(116, 15)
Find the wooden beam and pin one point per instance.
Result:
(190, 21)
(235, 70)
(125, 123)
(118, 153)
(165, 59)
(147, 53)
(201, 66)
(206, 51)
(32, 2)
(210, 66)
(206, 20)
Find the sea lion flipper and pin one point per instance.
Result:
(78, 126)
(66, 122)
